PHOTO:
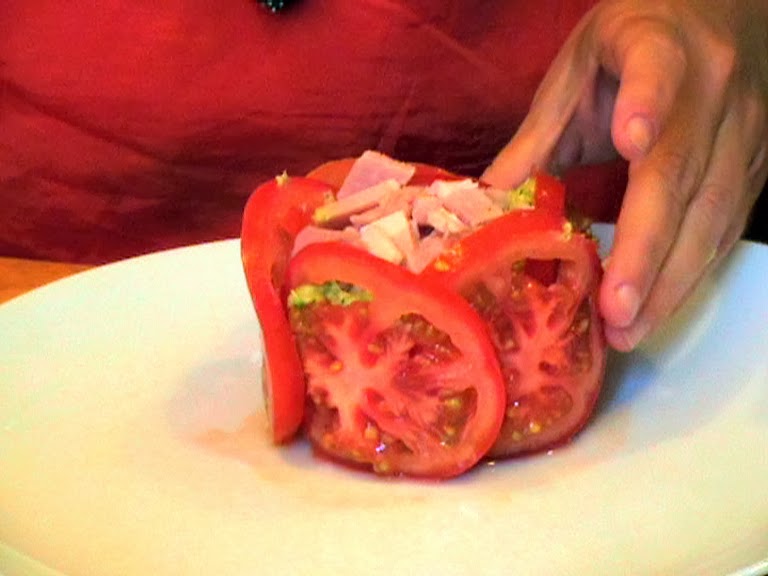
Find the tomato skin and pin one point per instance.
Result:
(581, 356)
(276, 211)
(397, 293)
(550, 194)
(334, 172)
(540, 237)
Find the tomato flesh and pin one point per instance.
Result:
(495, 349)
(537, 295)
(395, 383)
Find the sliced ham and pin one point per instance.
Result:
(407, 225)
(467, 200)
(423, 206)
(428, 248)
(372, 168)
(394, 230)
(340, 211)
(446, 222)
(429, 211)
(401, 199)
(316, 234)
(497, 195)
(444, 188)
(378, 243)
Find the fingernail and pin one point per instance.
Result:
(628, 300)
(627, 339)
(640, 133)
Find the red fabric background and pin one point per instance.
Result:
(128, 127)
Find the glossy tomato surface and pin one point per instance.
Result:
(404, 383)
(276, 211)
(536, 289)
(334, 172)
(495, 349)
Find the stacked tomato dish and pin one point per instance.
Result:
(415, 321)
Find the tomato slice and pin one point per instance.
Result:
(544, 326)
(494, 350)
(276, 211)
(550, 194)
(334, 172)
(404, 383)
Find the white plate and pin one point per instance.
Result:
(132, 441)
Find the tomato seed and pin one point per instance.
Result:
(453, 403)
(371, 432)
(319, 396)
(531, 414)
(450, 436)
(336, 366)
(375, 348)
(581, 326)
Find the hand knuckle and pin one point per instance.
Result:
(680, 172)
(668, 41)
(723, 64)
(714, 204)
(646, 28)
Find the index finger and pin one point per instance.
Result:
(552, 108)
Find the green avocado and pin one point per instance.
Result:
(338, 293)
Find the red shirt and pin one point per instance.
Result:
(128, 127)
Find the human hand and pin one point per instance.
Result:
(680, 89)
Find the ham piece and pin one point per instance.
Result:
(316, 234)
(340, 211)
(395, 229)
(467, 200)
(371, 169)
(399, 200)
(408, 225)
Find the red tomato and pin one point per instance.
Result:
(407, 382)
(334, 172)
(550, 194)
(274, 214)
(544, 326)
(496, 349)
